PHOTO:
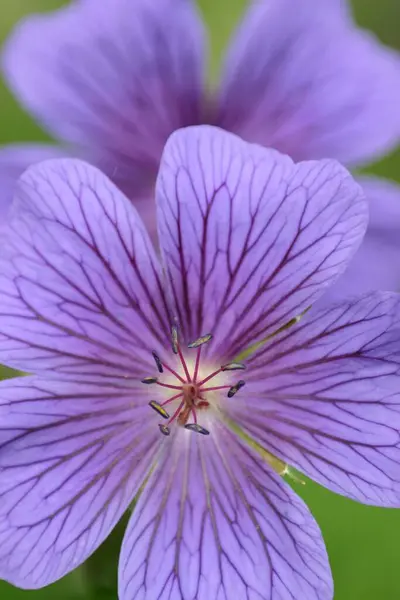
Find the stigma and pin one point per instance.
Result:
(192, 390)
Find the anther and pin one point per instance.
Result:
(174, 339)
(233, 366)
(235, 388)
(200, 341)
(149, 380)
(197, 428)
(164, 429)
(158, 362)
(159, 409)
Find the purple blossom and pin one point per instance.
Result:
(194, 381)
(114, 79)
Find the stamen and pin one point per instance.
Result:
(235, 388)
(158, 362)
(233, 366)
(174, 338)
(210, 377)
(184, 365)
(190, 393)
(164, 429)
(159, 409)
(197, 428)
(167, 385)
(218, 387)
(176, 413)
(149, 380)
(173, 373)
(200, 341)
(171, 399)
(197, 365)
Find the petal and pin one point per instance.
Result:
(325, 398)
(300, 77)
(14, 159)
(376, 265)
(214, 523)
(79, 284)
(249, 238)
(72, 457)
(113, 76)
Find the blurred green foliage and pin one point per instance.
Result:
(363, 542)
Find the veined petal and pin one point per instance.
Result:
(214, 523)
(116, 76)
(325, 398)
(300, 77)
(14, 159)
(249, 238)
(376, 265)
(79, 283)
(72, 457)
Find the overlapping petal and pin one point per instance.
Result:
(376, 265)
(325, 397)
(79, 284)
(249, 238)
(214, 523)
(300, 77)
(72, 458)
(115, 76)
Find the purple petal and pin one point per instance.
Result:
(72, 457)
(325, 398)
(14, 159)
(300, 77)
(249, 238)
(376, 265)
(117, 77)
(215, 523)
(79, 287)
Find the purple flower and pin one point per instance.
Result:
(191, 383)
(115, 80)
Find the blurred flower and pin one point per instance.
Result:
(115, 78)
(117, 406)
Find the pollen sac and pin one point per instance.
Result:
(158, 362)
(235, 388)
(149, 380)
(233, 366)
(159, 409)
(164, 429)
(197, 428)
(174, 339)
(200, 341)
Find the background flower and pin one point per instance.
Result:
(115, 81)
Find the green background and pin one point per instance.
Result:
(363, 542)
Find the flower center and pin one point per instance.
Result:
(192, 390)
